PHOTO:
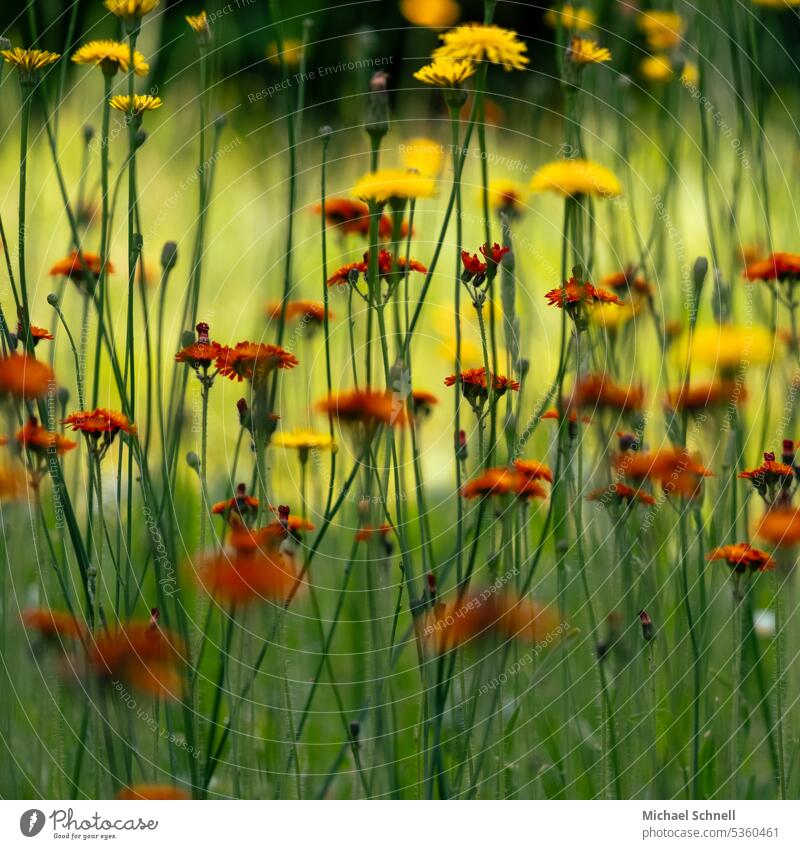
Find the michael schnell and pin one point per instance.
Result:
(729, 816)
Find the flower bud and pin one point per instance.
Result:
(169, 255)
(376, 115)
(648, 629)
(193, 461)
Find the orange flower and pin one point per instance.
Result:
(552, 414)
(385, 264)
(423, 402)
(780, 526)
(367, 406)
(598, 392)
(503, 481)
(769, 472)
(240, 505)
(485, 614)
(620, 492)
(247, 575)
(53, 624)
(534, 470)
(779, 266)
(352, 216)
(659, 465)
(249, 359)
(140, 655)
(203, 352)
(154, 792)
(243, 538)
(365, 534)
(677, 471)
(573, 294)
(742, 557)
(73, 268)
(37, 333)
(341, 276)
(99, 421)
(39, 439)
(473, 383)
(627, 281)
(714, 394)
(23, 376)
(305, 311)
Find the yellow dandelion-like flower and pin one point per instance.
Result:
(571, 177)
(663, 30)
(292, 52)
(506, 195)
(111, 56)
(479, 42)
(434, 14)
(658, 69)
(570, 17)
(727, 346)
(446, 73)
(199, 23)
(585, 51)
(381, 186)
(29, 62)
(141, 103)
(423, 155)
(130, 10)
(304, 440)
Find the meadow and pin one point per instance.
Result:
(399, 401)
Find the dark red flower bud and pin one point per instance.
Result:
(202, 333)
(648, 630)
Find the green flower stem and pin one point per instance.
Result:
(779, 648)
(25, 318)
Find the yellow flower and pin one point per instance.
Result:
(292, 52)
(576, 177)
(434, 14)
(380, 186)
(570, 17)
(658, 69)
(446, 73)
(777, 4)
(727, 347)
(506, 195)
(199, 23)
(423, 155)
(111, 56)
(663, 30)
(130, 9)
(612, 317)
(304, 440)
(12, 484)
(141, 103)
(585, 51)
(479, 42)
(28, 62)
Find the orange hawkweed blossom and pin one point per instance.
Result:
(700, 396)
(141, 655)
(503, 481)
(780, 526)
(24, 377)
(33, 437)
(780, 266)
(369, 407)
(243, 576)
(487, 614)
(53, 625)
(743, 557)
(249, 360)
(619, 493)
(597, 391)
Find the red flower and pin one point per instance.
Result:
(573, 293)
(494, 254)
